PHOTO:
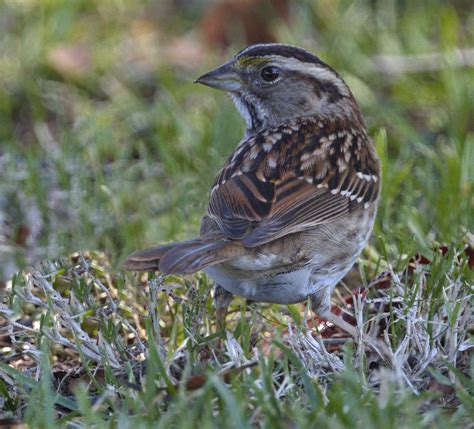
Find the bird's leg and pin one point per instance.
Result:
(338, 321)
(222, 300)
(321, 305)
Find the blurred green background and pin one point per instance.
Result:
(105, 143)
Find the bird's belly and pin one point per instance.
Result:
(285, 287)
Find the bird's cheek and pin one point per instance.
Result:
(256, 85)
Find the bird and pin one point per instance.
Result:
(295, 203)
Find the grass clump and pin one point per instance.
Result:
(83, 345)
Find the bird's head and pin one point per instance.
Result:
(273, 83)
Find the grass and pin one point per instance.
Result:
(107, 147)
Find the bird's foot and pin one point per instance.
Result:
(375, 344)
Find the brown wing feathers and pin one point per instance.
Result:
(327, 171)
(280, 181)
(288, 218)
(240, 202)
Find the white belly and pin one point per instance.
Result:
(280, 288)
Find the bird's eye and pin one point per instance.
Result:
(270, 73)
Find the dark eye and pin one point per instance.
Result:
(270, 73)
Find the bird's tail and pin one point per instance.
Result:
(184, 257)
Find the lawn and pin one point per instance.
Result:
(106, 147)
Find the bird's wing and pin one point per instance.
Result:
(292, 178)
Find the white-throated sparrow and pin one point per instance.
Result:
(295, 203)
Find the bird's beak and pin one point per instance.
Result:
(224, 77)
